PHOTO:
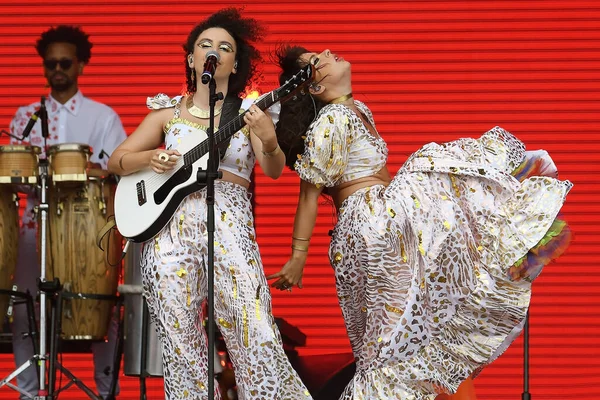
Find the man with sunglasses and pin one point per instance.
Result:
(72, 118)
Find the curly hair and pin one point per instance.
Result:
(298, 112)
(66, 34)
(245, 32)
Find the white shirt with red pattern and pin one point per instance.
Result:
(79, 120)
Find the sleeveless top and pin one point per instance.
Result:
(239, 157)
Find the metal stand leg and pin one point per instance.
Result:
(119, 350)
(526, 395)
(33, 334)
(144, 350)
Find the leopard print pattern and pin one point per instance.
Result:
(174, 278)
(421, 266)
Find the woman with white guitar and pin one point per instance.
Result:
(174, 260)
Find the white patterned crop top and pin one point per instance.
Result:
(339, 148)
(239, 157)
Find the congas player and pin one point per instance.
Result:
(19, 164)
(76, 214)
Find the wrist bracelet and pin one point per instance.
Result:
(272, 153)
(303, 239)
(300, 248)
(121, 162)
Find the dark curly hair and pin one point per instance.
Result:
(245, 32)
(66, 34)
(299, 111)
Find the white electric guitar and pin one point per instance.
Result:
(145, 201)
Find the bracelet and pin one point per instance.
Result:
(300, 248)
(303, 239)
(272, 153)
(121, 162)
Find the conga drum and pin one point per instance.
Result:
(18, 166)
(68, 162)
(77, 212)
(9, 236)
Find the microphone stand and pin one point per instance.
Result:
(526, 395)
(44, 286)
(207, 178)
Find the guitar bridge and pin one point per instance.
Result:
(141, 192)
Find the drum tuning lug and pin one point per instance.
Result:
(68, 304)
(102, 207)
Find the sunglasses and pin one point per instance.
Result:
(65, 64)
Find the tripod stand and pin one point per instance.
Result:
(40, 357)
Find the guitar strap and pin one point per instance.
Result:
(231, 109)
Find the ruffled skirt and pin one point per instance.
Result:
(434, 272)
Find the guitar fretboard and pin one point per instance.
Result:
(229, 129)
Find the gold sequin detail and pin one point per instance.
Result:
(421, 249)
(181, 219)
(224, 323)
(337, 257)
(454, 185)
(330, 118)
(156, 245)
(393, 309)
(181, 272)
(189, 295)
(416, 201)
(223, 216)
(258, 303)
(391, 212)
(232, 270)
(223, 249)
(447, 225)
(245, 318)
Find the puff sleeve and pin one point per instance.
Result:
(326, 148)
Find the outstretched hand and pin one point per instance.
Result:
(290, 275)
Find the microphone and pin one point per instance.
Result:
(34, 118)
(210, 66)
(44, 117)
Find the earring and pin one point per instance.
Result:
(193, 76)
(316, 88)
(235, 65)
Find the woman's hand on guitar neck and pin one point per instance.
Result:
(261, 125)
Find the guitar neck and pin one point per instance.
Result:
(229, 129)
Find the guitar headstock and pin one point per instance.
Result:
(296, 82)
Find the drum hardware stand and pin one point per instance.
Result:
(33, 334)
(526, 395)
(56, 331)
(40, 357)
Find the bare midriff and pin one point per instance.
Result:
(229, 177)
(343, 191)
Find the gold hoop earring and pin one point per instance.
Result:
(193, 76)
